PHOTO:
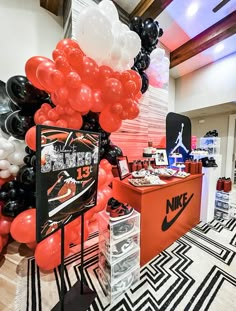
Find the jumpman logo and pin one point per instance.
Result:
(179, 141)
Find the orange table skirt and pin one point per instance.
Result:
(167, 211)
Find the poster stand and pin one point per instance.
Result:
(79, 297)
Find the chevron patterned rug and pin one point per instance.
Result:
(197, 272)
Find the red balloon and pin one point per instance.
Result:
(81, 99)
(56, 53)
(23, 227)
(109, 121)
(61, 123)
(101, 177)
(90, 71)
(116, 108)
(62, 44)
(86, 233)
(49, 77)
(48, 252)
(73, 80)
(53, 115)
(135, 77)
(133, 111)
(31, 68)
(62, 64)
(75, 58)
(107, 191)
(60, 96)
(30, 138)
(105, 165)
(75, 121)
(1, 244)
(105, 72)
(112, 90)
(5, 225)
(98, 104)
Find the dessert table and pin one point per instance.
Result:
(167, 211)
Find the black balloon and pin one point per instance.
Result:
(145, 82)
(13, 208)
(111, 153)
(26, 177)
(17, 124)
(149, 34)
(136, 24)
(5, 102)
(143, 61)
(24, 95)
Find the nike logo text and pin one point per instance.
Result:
(178, 201)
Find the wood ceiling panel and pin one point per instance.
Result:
(53, 6)
(155, 9)
(211, 36)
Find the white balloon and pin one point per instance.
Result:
(165, 63)
(3, 134)
(157, 54)
(14, 169)
(8, 146)
(116, 53)
(16, 158)
(5, 174)
(108, 8)
(4, 164)
(93, 33)
(3, 154)
(132, 43)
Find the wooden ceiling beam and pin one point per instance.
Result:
(140, 9)
(53, 6)
(155, 9)
(223, 29)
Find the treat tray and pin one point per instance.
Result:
(135, 183)
(178, 176)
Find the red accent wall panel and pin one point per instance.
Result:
(134, 135)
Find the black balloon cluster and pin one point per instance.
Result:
(149, 32)
(19, 195)
(19, 100)
(108, 150)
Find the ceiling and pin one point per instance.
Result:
(194, 35)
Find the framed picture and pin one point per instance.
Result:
(123, 167)
(161, 157)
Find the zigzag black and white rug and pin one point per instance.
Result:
(197, 272)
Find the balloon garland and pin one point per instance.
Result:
(88, 84)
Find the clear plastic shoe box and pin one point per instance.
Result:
(120, 229)
(223, 206)
(117, 287)
(211, 144)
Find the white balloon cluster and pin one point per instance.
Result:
(158, 70)
(12, 153)
(105, 39)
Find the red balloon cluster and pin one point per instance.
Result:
(5, 225)
(78, 85)
(48, 252)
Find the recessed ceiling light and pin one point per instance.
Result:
(192, 9)
(219, 47)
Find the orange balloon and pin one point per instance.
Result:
(31, 68)
(30, 138)
(23, 227)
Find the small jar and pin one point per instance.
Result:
(139, 165)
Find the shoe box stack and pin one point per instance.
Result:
(119, 252)
(210, 144)
(225, 200)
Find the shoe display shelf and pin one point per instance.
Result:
(119, 253)
(211, 144)
(225, 205)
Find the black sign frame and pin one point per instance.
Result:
(66, 176)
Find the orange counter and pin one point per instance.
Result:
(167, 211)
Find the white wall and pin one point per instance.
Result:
(219, 122)
(211, 85)
(26, 30)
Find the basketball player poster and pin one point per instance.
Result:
(178, 137)
(66, 176)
